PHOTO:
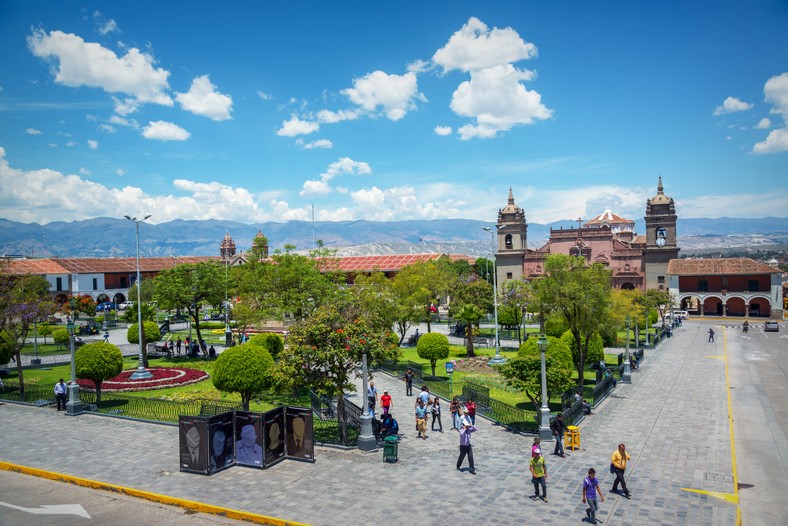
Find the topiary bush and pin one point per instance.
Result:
(98, 361)
(595, 351)
(433, 346)
(272, 342)
(61, 337)
(152, 333)
(555, 325)
(243, 369)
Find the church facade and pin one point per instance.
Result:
(636, 261)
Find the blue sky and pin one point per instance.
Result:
(258, 111)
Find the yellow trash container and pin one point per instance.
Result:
(572, 437)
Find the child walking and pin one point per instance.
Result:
(590, 490)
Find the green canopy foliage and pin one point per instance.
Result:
(524, 372)
(433, 346)
(98, 361)
(243, 369)
(271, 342)
(150, 329)
(595, 351)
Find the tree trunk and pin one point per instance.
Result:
(144, 346)
(19, 374)
(341, 420)
(469, 337)
(432, 363)
(429, 320)
(98, 393)
(245, 399)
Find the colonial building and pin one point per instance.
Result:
(727, 287)
(636, 262)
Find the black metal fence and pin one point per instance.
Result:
(478, 393)
(603, 388)
(39, 395)
(326, 425)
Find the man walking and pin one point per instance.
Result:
(711, 335)
(558, 428)
(372, 397)
(60, 395)
(619, 465)
(590, 490)
(178, 344)
(466, 448)
(421, 418)
(539, 474)
(409, 382)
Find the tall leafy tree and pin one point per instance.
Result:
(516, 297)
(374, 293)
(23, 300)
(187, 287)
(324, 350)
(470, 315)
(578, 293)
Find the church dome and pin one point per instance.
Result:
(510, 207)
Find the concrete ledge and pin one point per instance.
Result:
(154, 497)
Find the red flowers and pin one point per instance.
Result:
(163, 377)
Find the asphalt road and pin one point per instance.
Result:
(34, 501)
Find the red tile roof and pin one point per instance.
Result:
(100, 265)
(718, 267)
(388, 263)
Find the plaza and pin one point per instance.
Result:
(691, 463)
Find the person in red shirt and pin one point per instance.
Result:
(385, 402)
(470, 405)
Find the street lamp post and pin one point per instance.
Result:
(140, 373)
(544, 412)
(497, 359)
(74, 404)
(626, 376)
(366, 437)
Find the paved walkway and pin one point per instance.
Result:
(673, 418)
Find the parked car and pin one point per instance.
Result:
(125, 305)
(105, 307)
(771, 326)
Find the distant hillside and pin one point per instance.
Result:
(108, 237)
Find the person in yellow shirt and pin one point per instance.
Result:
(618, 465)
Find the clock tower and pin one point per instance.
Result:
(661, 244)
(512, 241)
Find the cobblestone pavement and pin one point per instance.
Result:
(673, 419)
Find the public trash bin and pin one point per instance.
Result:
(572, 437)
(390, 447)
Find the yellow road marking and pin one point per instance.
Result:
(730, 497)
(718, 357)
(154, 497)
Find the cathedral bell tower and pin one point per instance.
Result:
(661, 244)
(512, 241)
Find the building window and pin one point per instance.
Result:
(703, 285)
(660, 279)
(95, 283)
(123, 282)
(508, 241)
(58, 283)
(508, 275)
(753, 285)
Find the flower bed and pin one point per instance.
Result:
(163, 377)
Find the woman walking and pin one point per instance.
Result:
(454, 408)
(436, 414)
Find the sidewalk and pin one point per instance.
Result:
(674, 421)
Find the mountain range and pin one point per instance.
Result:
(110, 237)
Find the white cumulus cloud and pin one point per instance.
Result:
(93, 144)
(732, 105)
(77, 63)
(344, 166)
(164, 131)
(763, 124)
(296, 126)
(498, 100)
(320, 144)
(443, 130)
(475, 46)
(395, 95)
(33, 131)
(776, 93)
(203, 99)
(331, 117)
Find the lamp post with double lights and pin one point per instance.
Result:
(140, 373)
(497, 359)
(366, 437)
(74, 404)
(626, 376)
(544, 412)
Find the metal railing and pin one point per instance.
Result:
(39, 395)
(603, 388)
(154, 409)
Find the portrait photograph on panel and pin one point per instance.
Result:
(299, 433)
(274, 429)
(249, 439)
(194, 444)
(222, 442)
